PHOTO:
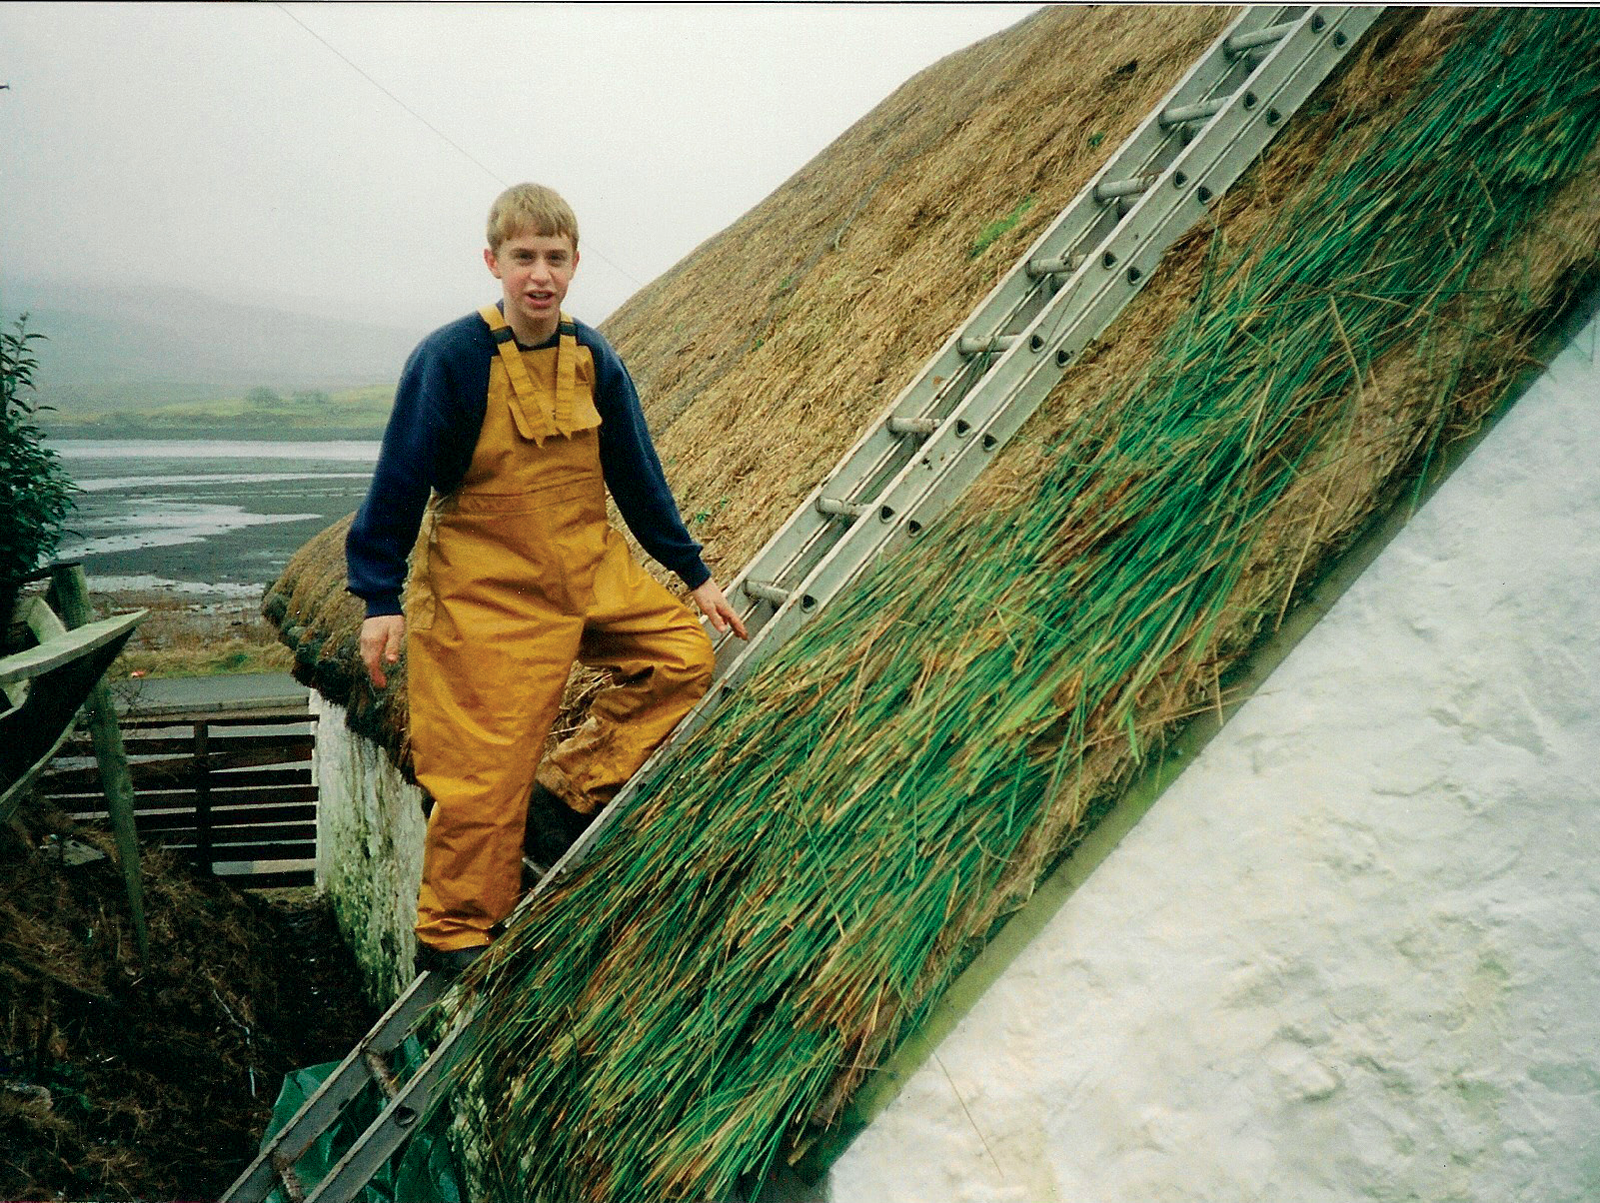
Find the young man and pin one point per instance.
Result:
(508, 425)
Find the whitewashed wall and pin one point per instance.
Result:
(369, 850)
(1354, 952)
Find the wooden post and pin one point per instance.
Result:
(69, 597)
(202, 797)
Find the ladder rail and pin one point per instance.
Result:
(1207, 169)
(1309, 52)
(399, 1117)
(1078, 312)
(792, 551)
(290, 1142)
(1228, 163)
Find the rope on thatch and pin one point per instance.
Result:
(798, 888)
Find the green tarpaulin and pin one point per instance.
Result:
(423, 1172)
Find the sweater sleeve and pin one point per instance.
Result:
(633, 471)
(427, 445)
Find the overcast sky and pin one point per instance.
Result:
(227, 148)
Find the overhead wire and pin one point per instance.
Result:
(590, 248)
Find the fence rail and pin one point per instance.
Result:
(235, 792)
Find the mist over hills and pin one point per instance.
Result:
(127, 348)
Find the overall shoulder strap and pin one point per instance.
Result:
(525, 401)
(567, 396)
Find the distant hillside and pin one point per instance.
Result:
(357, 413)
(126, 349)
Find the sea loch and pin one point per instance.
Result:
(204, 517)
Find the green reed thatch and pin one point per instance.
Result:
(800, 886)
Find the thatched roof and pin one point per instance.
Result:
(889, 787)
(796, 890)
(798, 324)
(793, 328)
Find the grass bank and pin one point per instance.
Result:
(260, 414)
(181, 637)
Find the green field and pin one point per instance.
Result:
(261, 413)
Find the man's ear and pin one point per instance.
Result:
(493, 264)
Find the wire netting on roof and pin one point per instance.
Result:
(799, 887)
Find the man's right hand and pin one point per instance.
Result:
(381, 639)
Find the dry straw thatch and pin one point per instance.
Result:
(761, 356)
(796, 892)
(797, 889)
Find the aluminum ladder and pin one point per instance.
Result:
(913, 462)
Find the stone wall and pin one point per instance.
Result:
(369, 850)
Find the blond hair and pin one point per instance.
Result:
(530, 209)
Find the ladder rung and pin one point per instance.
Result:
(1240, 42)
(382, 1077)
(292, 1187)
(908, 484)
(1179, 114)
(395, 1122)
(1107, 190)
(319, 1112)
(765, 591)
(1060, 265)
(913, 425)
(841, 509)
(997, 342)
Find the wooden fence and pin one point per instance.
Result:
(234, 791)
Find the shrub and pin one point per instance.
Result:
(35, 490)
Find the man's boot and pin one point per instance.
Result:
(552, 827)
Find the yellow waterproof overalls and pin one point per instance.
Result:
(517, 574)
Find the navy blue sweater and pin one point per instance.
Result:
(433, 430)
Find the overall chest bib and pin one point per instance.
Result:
(526, 526)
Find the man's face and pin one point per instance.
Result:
(535, 271)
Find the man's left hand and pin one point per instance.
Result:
(715, 607)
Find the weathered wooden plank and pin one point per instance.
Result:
(88, 805)
(269, 718)
(161, 745)
(63, 783)
(232, 818)
(71, 645)
(180, 769)
(68, 595)
(291, 851)
(275, 879)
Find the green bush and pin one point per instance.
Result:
(35, 490)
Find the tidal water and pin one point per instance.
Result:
(215, 518)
